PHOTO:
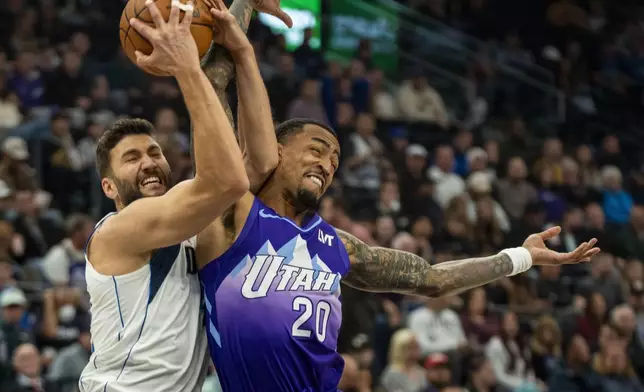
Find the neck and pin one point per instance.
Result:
(273, 196)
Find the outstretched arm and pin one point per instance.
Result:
(387, 270)
(254, 120)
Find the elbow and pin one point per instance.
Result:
(237, 186)
(265, 166)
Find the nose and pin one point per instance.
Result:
(147, 163)
(327, 167)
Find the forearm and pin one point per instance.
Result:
(255, 121)
(388, 270)
(218, 64)
(215, 145)
(219, 67)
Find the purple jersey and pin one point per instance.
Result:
(273, 302)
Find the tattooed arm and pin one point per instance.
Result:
(219, 67)
(387, 270)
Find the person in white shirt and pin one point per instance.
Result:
(437, 328)
(64, 264)
(448, 184)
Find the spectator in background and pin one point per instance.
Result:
(478, 323)
(462, 144)
(10, 116)
(87, 145)
(623, 321)
(515, 192)
(27, 371)
(167, 123)
(383, 103)
(26, 81)
(307, 104)
(68, 365)
(617, 203)
(611, 153)
(283, 86)
(14, 329)
(482, 377)
(362, 166)
(552, 155)
(437, 327)
(64, 264)
(62, 162)
(68, 86)
(546, 346)
(403, 374)
(308, 58)
(630, 236)
(506, 351)
(574, 373)
(439, 374)
(588, 168)
(35, 232)
(447, 184)
(418, 101)
(617, 373)
(14, 169)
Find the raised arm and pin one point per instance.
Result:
(387, 270)
(256, 132)
(186, 209)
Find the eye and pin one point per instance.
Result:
(316, 150)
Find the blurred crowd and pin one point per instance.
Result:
(418, 173)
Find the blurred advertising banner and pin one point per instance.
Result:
(352, 20)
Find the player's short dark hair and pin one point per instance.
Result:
(113, 135)
(295, 125)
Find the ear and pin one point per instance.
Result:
(109, 188)
(279, 154)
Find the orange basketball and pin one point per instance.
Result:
(131, 40)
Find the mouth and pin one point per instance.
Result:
(149, 182)
(316, 179)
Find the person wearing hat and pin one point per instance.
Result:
(438, 371)
(14, 305)
(14, 168)
(70, 361)
(416, 189)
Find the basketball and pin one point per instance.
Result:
(131, 40)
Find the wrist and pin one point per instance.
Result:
(243, 53)
(188, 71)
(521, 259)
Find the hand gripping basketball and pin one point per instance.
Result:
(174, 48)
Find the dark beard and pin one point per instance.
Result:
(306, 199)
(128, 192)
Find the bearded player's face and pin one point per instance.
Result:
(309, 160)
(139, 170)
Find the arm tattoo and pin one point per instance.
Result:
(387, 270)
(219, 66)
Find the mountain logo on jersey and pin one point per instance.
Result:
(290, 268)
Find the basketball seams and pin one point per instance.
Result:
(198, 33)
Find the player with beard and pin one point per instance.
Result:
(271, 267)
(147, 321)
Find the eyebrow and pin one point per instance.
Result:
(130, 151)
(326, 144)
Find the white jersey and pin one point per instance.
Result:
(147, 326)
